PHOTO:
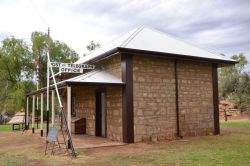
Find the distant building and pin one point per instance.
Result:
(146, 85)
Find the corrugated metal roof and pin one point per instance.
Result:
(149, 39)
(17, 119)
(95, 76)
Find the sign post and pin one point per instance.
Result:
(47, 110)
(63, 68)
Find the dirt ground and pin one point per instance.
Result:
(17, 140)
(235, 118)
(27, 144)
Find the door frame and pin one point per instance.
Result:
(98, 110)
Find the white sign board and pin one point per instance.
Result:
(70, 70)
(77, 66)
(71, 67)
(55, 64)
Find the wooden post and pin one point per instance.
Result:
(215, 99)
(53, 107)
(33, 114)
(41, 126)
(27, 113)
(37, 106)
(177, 99)
(225, 114)
(127, 99)
(69, 108)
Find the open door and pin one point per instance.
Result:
(100, 115)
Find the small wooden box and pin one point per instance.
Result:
(78, 126)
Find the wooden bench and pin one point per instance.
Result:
(17, 124)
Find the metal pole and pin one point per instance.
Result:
(54, 80)
(48, 88)
(37, 98)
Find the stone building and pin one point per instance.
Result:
(146, 85)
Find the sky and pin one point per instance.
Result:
(221, 26)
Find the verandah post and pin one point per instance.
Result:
(69, 108)
(27, 114)
(41, 126)
(53, 108)
(33, 114)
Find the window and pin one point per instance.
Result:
(73, 106)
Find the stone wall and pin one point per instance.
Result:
(154, 98)
(195, 98)
(111, 65)
(85, 106)
(114, 113)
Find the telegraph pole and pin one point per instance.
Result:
(47, 111)
(37, 98)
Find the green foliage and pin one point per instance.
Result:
(18, 63)
(15, 62)
(15, 70)
(234, 82)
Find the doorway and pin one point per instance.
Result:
(100, 115)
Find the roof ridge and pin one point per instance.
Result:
(132, 36)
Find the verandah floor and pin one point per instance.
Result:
(88, 141)
(83, 140)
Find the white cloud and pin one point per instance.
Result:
(217, 25)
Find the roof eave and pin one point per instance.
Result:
(176, 56)
(68, 83)
(220, 62)
(44, 89)
(94, 83)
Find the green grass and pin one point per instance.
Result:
(229, 124)
(230, 148)
(5, 128)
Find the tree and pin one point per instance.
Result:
(92, 46)
(18, 62)
(59, 52)
(15, 62)
(234, 82)
(15, 70)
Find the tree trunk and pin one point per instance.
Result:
(225, 115)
